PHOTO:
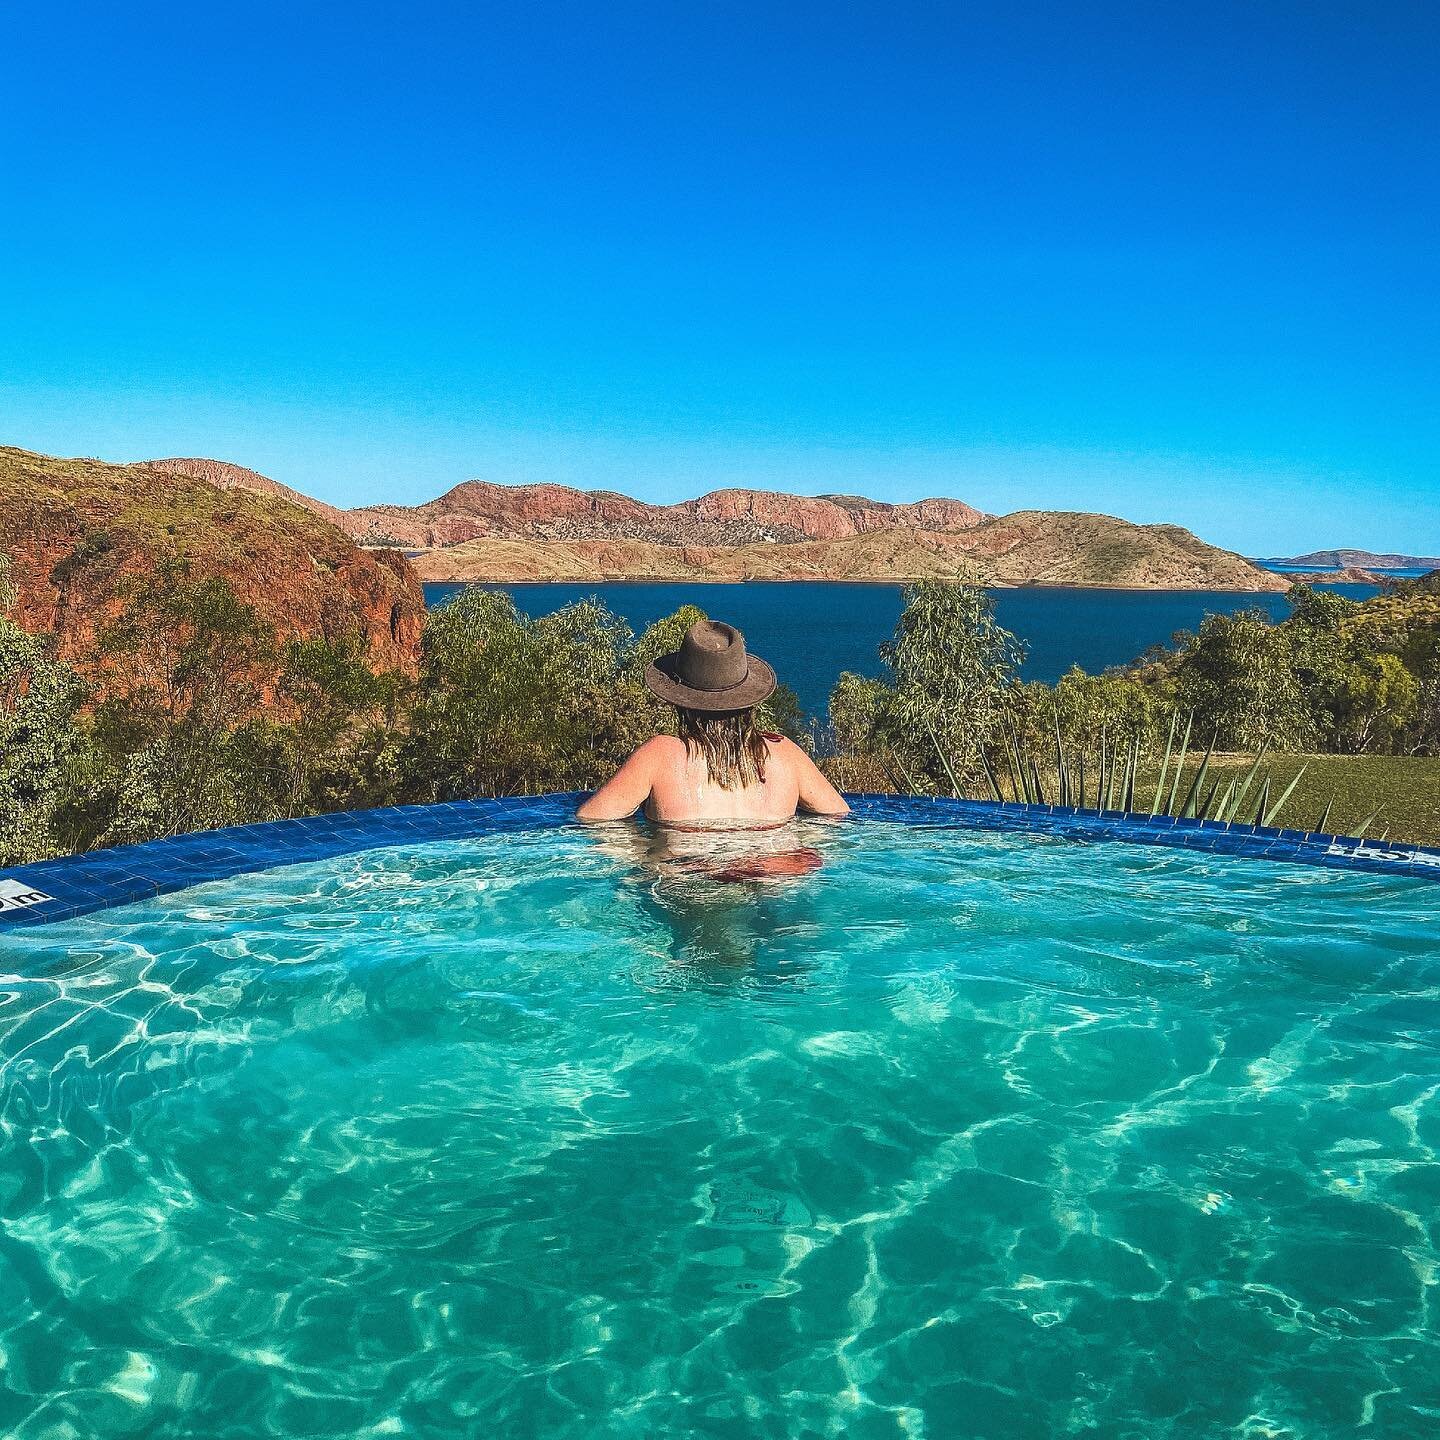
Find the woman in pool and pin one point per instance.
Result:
(721, 767)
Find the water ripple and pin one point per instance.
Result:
(962, 1134)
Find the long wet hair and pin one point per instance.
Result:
(734, 749)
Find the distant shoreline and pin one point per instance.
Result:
(862, 580)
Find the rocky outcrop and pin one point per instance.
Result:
(477, 509)
(1348, 576)
(77, 532)
(225, 476)
(481, 531)
(1036, 547)
(1357, 560)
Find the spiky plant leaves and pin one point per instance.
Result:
(1038, 786)
(990, 777)
(1165, 763)
(906, 777)
(1279, 805)
(1225, 808)
(1180, 764)
(945, 762)
(1250, 778)
(1264, 802)
(1202, 810)
(1192, 795)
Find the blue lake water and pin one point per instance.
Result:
(544, 1135)
(811, 632)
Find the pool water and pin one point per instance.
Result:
(960, 1134)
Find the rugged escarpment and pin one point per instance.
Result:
(77, 532)
(1028, 548)
(546, 513)
(481, 531)
(226, 476)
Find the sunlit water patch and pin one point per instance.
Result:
(556, 1135)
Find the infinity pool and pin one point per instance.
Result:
(555, 1134)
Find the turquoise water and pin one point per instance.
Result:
(811, 631)
(551, 1135)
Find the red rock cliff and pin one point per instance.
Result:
(478, 509)
(76, 531)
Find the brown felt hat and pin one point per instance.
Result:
(711, 671)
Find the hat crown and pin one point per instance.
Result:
(712, 656)
(711, 670)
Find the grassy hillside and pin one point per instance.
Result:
(1033, 547)
(78, 533)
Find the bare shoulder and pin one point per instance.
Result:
(787, 750)
(629, 787)
(817, 795)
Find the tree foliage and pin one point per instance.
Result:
(952, 667)
(41, 747)
(200, 716)
(1336, 675)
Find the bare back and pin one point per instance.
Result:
(675, 785)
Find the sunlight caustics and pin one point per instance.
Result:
(554, 1134)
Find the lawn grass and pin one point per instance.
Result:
(1404, 788)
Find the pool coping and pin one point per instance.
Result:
(62, 889)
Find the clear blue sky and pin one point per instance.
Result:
(1173, 262)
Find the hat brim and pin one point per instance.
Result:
(757, 686)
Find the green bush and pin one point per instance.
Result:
(507, 704)
(513, 704)
(1237, 676)
(41, 747)
(953, 671)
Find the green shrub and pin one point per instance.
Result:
(1237, 676)
(953, 671)
(41, 746)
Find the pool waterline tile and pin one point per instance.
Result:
(102, 879)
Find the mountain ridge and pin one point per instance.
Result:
(1355, 560)
(478, 509)
(481, 531)
(79, 533)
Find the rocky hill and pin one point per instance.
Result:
(76, 530)
(482, 531)
(1357, 560)
(236, 477)
(1348, 576)
(478, 510)
(1030, 547)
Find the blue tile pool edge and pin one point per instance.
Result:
(80, 884)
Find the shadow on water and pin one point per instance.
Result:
(731, 899)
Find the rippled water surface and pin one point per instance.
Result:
(961, 1135)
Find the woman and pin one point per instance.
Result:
(720, 767)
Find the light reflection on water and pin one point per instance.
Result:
(566, 1134)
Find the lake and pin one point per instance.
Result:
(811, 631)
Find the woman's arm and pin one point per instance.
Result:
(817, 794)
(626, 790)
